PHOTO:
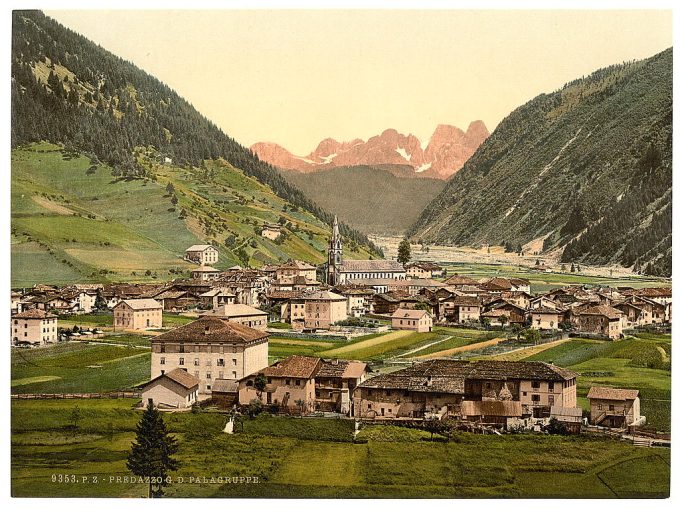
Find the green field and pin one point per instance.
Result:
(78, 224)
(545, 281)
(79, 367)
(316, 458)
(641, 363)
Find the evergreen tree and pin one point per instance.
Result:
(404, 252)
(152, 451)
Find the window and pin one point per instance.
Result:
(162, 360)
(220, 362)
(233, 374)
(599, 406)
(524, 393)
(535, 385)
(551, 386)
(233, 361)
(196, 362)
(297, 382)
(208, 376)
(611, 408)
(181, 348)
(181, 361)
(536, 398)
(551, 400)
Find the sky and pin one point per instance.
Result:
(295, 77)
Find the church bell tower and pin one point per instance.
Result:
(334, 255)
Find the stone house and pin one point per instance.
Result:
(460, 309)
(602, 320)
(417, 320)
(295, 268)
(205, 273)
(426, 270)
(359, 299)
(614, 408)
(438, 387)
(323, 309)
(545, 318)
(34, 327)
(138, 314)
(210, 348)
(271, 231)
(172, 389)
(203, 254)
(216, 297)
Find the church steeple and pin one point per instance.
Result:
(334, 254)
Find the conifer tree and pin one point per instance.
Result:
(152, 451)
(404, 252)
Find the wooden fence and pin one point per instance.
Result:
(86, 395)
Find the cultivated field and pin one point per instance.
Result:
(290, 458)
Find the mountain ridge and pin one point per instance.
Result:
(444, 153)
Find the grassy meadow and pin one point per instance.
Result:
(293, 457)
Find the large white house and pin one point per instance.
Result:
(203, 254)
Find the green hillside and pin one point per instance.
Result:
(368, 198)
(588, 167)
(101, 111)
(72, 220)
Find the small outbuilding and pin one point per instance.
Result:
(225, 393)
(174, 389)
(412, 319)
(614, 408)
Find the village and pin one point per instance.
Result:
(220, 357)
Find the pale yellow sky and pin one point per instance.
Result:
(296, 77)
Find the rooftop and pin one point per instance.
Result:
(199, 247)
(409, 313)
(612, 393)
(295, 366)
(371, 266)
(235, 310)
(140, 304)
(211, 329)
(34, 314)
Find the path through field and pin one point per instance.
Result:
(466, 348)
(527, 351)
(386, 338)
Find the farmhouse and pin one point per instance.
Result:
(138, 314)
(240, 313)
(306, 384)
(417, 320)
(457, 281)
(35, 327)
(174, 389)
(359, 299)
(614, 408)
(460, 309)
(437, 388)
(203, 254)
(426, 270)
(205, 273)
(602, 320)
(210, 348)
(295, 268)
(217, 297)
(271, 231)
(545, 318)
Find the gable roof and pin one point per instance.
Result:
(607, 311)
(295, 366)
(371, 266)
(235, 310)
(457, 280)
(34, 314)
(141, 304)
(211, 329)
(341, 368)
(205, 268)
(410, 313)
(199, 247)
(179, 376)
(324, 295)
(596, 392)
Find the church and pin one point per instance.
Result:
(339, 271)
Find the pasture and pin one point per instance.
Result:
(316, 458)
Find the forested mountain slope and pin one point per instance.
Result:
(68, 91)
(588, 167)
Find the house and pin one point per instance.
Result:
(334, 383)
(460, 309)
(217, 297)
(457, 281)
(359, 299)
(570, 417)
(172, 389)
(34, 327)
(203, 254)
(437, 388)
(295, 268)
(602, 320)
(306, 384)
(491, 412)
(425, 270)
(417, 320)
(653, 312)
(545, 318)
(634, 314)
(614, 408)
(388, 303)
(240, 313)
(271, 231)
(323, 309)
(340, 271)
(176, 300)
(16, 304)
(224, 393)
(210, 348)
(290, 384)
(501, 284)
(205, 273)
(138, 314)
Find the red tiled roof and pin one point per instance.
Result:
(34, 314)
(295, 366)
(211, 329)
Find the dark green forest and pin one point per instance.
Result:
(588, 167)
(68, 90)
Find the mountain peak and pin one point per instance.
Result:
(448, 149)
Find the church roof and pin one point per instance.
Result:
(371, 266)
